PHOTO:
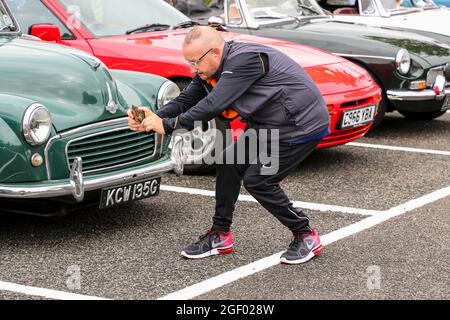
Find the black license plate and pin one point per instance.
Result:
(114, 196)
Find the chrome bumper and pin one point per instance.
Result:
(77, 184)
(424, 95)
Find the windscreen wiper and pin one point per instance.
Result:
(266, 16)
(186, 24)
(155, 26)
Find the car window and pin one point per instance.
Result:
(234, 15)
(3, 17)
(367, 7)
(115, 17)
(6, 22)
(271, 10)
(30, 12)
(393, 5)
(390, 4)
(417, 3)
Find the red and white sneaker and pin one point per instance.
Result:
(210, 244)
(303, 248)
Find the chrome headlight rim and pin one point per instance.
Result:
(26, 124)
(164, 91)
(403, 61)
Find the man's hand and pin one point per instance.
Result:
(133, 124)
(151, 122)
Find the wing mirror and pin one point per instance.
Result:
(46, 32)
(215, 21)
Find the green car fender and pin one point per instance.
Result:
(138, 88)
(16, 153)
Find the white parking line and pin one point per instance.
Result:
(415, 150)
(273, 260)
(46, 293)
(297, 204)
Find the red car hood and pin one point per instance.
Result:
(331, 73)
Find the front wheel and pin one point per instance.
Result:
(203, 143)
(200, 143)
(424, 116)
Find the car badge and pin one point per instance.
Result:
(111, 106)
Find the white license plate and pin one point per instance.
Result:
(358, 117)
(446, 105)
(130, 192)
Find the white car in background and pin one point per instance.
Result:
(391, 13)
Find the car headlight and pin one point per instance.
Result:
(167, 93)
(36, 124)
(403, 61)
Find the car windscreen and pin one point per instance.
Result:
(276, 9)
(424, 4)
(116, 17)
(394, 5)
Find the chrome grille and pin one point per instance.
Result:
(111, 149)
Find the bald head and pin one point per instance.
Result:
(204, 37)
(203, 49)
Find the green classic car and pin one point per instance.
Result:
(64, 137)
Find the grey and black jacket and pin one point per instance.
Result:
(267, 89)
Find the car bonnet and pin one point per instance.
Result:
(71, 84)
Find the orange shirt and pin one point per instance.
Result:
(228, 113)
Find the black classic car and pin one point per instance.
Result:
(413, 70)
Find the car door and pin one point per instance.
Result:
(35, 12)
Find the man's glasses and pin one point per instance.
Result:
(197, 62)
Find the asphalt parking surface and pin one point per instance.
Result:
(132, 251)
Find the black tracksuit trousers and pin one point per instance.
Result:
(264, 188)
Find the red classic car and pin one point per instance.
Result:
(146, 36)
